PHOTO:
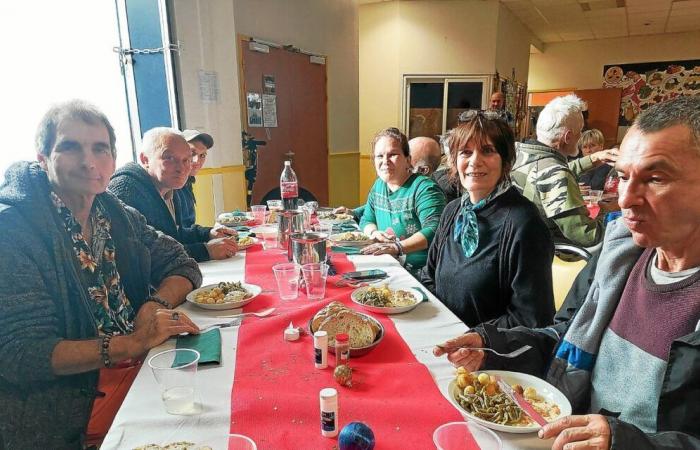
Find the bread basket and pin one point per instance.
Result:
(355, 352)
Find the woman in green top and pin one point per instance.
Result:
(403, 209)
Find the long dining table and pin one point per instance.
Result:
(143, 420)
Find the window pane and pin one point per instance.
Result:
(425, 110)
(460, 97)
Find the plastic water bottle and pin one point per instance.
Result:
(289, 187)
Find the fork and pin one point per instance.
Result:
(263, 313)
(236, 319)
(512, 354)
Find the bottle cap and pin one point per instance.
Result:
(328, 393)
(320, 333)
(342, 337)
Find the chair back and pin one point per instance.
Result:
(568, 261)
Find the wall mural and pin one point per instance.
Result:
(644, 84)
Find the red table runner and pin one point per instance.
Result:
(275, 395)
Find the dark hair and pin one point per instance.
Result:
(480, 128)
(678, 111)
(72, 109)
(395, 134)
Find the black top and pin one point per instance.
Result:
(595, 178)
(132, 185)
(508, 279)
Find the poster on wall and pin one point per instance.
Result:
(254, 109)
(644, 84)
(269, 103)
(269, 85)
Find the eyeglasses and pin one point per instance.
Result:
(471, 114)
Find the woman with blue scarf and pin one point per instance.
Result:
(491, 259)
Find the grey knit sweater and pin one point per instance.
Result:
(43, 302)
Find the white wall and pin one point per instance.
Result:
(512, 46)
(327, 27)
(580, 64)
(207, 31)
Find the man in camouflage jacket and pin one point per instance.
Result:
(541, 173)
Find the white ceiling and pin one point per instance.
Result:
(576, 20)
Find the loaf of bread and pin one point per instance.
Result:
(337, 318)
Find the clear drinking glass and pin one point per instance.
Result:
(240, 442)
(315, 275)
(175, 372)
(259, 213)
(268, 236)
(275, 205)
(463, 436)
(287, 276)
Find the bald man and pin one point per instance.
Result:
(498, 101)
(425, 155)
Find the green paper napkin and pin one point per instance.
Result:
(420, 289)
(346, 250)
(207, 344)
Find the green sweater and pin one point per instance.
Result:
(413, 208)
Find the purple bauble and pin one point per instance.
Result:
(356, 436)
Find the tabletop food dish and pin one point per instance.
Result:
(234, 218)
(384, 300)
(365, 332)
(246, 242)
(351, 239)
(478, 396)
(334, 218)
(225, 295)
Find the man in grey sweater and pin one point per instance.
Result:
(85, 285)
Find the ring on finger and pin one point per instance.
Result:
(175, 316)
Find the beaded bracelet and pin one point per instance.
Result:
(160, 301)
(104, 350)
(399, 247)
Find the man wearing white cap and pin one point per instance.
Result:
(199, 143)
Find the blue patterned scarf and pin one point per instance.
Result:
(466, 228)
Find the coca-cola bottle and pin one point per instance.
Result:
(289, 187)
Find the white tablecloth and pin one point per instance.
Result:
(142, 418)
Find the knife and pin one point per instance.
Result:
(521, 402)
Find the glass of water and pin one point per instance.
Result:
(287, 276)
(175, 372)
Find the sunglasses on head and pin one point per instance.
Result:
(471, 114)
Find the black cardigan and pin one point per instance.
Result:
(132, 184)
(508, 279)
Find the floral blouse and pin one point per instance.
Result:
(111, 309)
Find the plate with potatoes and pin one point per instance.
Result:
(225, 295)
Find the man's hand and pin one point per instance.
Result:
(608, 157)
(222, 248)
(458, 352)
(220, 231)
(152, 329)
(589, 432)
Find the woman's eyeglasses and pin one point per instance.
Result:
(488, 114)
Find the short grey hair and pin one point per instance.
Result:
(154, 139)
(71, 110)
(678, 111)
(556, 117)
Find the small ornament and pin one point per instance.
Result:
(343, 375)
(291, 333)
(356, 436)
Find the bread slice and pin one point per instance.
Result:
(361, 330)
(331, 308)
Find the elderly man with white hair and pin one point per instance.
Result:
(164, 165)
(542, 174)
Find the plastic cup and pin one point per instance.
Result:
(240, 442)
(275, 205)
(259, 213)
(465, 436)
(315, 275)
(595, 196)
(307, 217)
(175, 372)
(325, 228)
(287, 276)
(268, 236)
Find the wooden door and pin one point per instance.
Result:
(603, 111)
(301, 133)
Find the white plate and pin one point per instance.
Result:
(336, 221)
(389, 310)
(335, 241)
(243, 247)
(544, 389)
(253, 289)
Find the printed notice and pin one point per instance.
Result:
(269, 105)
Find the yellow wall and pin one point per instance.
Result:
(230, 181)
(367, 177)
(580, 64)
(343, 176)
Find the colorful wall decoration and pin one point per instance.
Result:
(644, 84)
